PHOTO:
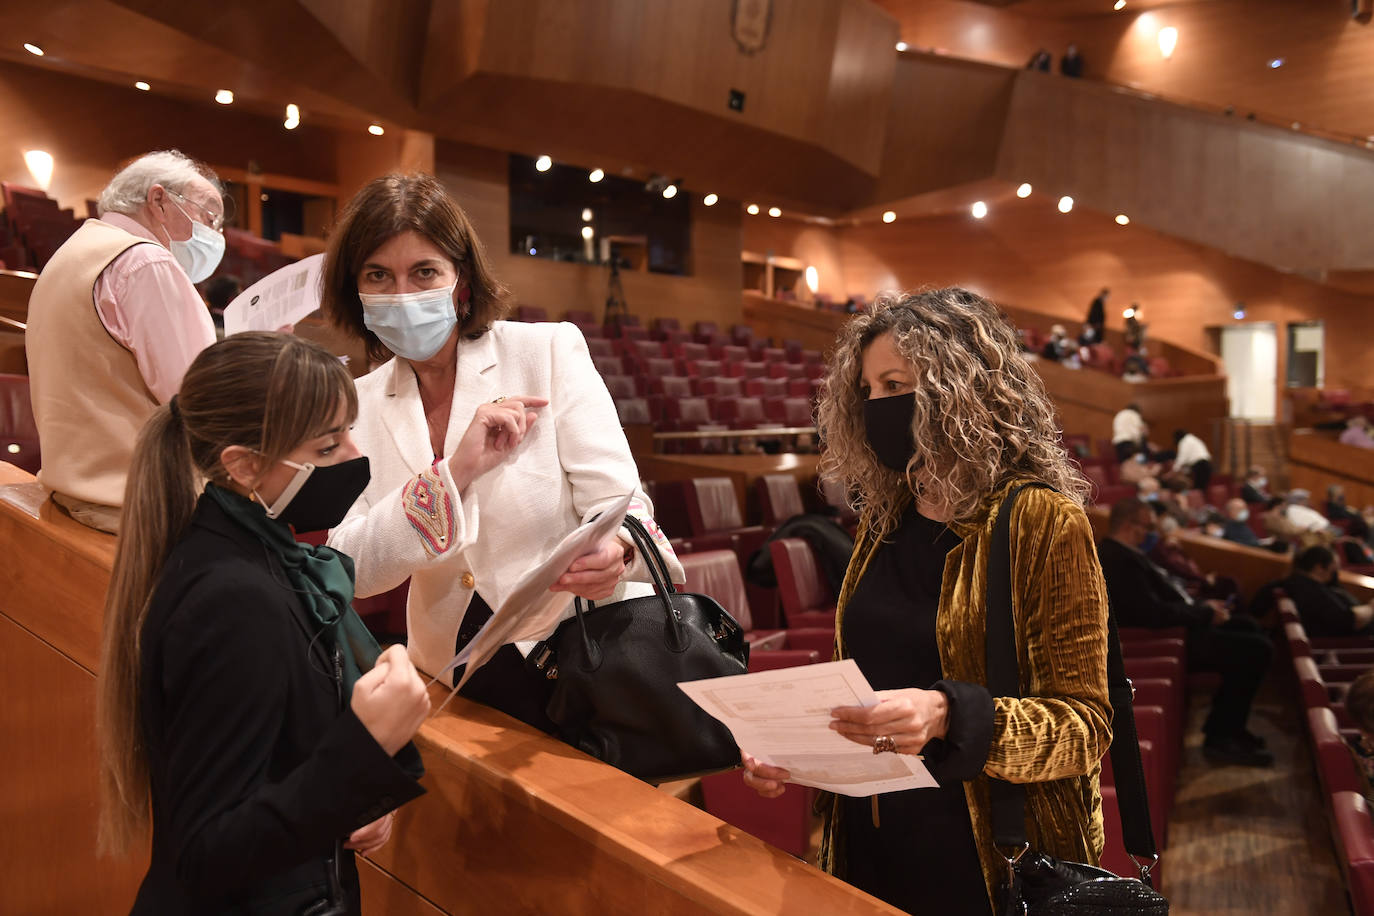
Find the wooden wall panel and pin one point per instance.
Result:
(1317, 460)
(478, 180)
(1259, 192)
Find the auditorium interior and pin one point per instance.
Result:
(709, 190)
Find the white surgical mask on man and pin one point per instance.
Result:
(201, 253)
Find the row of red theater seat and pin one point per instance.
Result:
(37, 226)
(1324, 667)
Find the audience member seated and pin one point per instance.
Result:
(1338, 511)
(1143, 595)
(1192, 458)
(1137, 469)
(1162, 501)
(1236, 527)
(1357, 433)
(1134, 369)
(1359, 705)
(1256, 486)
(1058, 346)
(1130, 434)
(1169, 555)
(1325, 607)
(158, 233)
(1301, 517)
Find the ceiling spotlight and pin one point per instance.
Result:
(1276, 63)
(1128, 313)
(33, 49)
(752, 209)
(709, 200)
(1122, 219)
(889, 216)
(588, 232)
(376, 130)
(224, 97)
(1119, 5)
(1024, 190)
(595, 175)
(1239, 313)
(901, 46)
(586, 214)
(1168, 40)
(543, 163)
(774, 212)
(669, 191)
(293, 117)
(1065, 204)
(979, 209)
(142, 85)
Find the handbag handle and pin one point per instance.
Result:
(1008, 800)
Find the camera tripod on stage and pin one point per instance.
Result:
(616, 307)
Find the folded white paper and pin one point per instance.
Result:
(281, 298)
(782, 718)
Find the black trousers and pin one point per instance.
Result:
(1202, 474)
(1240, 652)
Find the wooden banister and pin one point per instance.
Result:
(513, 822)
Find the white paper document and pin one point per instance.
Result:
(782, 718)
(281, 298)
(532, 611)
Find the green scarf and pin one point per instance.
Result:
(320, 576)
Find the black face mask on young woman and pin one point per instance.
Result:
(318, 498)
(887, 425)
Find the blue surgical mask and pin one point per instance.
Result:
(1243, 515)
(201, 253)
(412, 325)
(1151, 497)
(1151, 541)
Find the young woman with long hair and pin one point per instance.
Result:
(930, 416)
(244, 712)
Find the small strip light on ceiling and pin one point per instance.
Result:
(889, 216)
(709, 200)
(1276, 63)
(33, 49)
(752, 209)
(1168, 40)
(979, 209)
(1024, 190)
(669, 191)
(376, 130)
(774, 212)
(225, 97)
(1119, 5)
(293, 117)
(595, 175)
(1065, 204)
(1122, 219)
(543, 163)
(142, 85)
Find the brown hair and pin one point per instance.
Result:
(981, 414)
(1359, 702)
(268, 392)
(386, 207)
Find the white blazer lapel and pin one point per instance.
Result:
(474, 384)
(404, 417)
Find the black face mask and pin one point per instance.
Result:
(887, 426)
(318, 498)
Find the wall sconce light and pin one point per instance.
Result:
(1168, 40)
(40, 166)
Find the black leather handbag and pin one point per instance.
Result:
(1039, 884)
(617, 668)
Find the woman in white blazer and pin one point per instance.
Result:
(489, 440)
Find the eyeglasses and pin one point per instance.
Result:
(214, 220)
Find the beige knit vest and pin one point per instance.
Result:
(89, 398)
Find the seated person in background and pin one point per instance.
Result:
(1059, 345)
(1169, 555)
(1135, 369)
(1192, 458)
(1130, 434)
(1302, 517)
(1143, 595)
(1089, 336)
(1162, 501)
(1137, 469)
(1359, 704)
(1326, 609)
(1357, 433)
(1338, 511)
(1256, 486)
(219, 292)
(1237, 528)
(158, 233)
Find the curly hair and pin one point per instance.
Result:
(982, 414)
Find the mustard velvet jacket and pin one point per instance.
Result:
(1054, 737)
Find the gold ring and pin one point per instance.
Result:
(883, 744)
(500, 399)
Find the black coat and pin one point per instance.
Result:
(1140, 593)
(1325, 610)
(255, 771)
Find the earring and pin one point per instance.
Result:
(464, 293)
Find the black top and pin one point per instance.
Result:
(1325, 610)
(1142, 595)
(922, 856)
(255, 771)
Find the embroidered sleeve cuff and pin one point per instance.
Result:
(429, 510)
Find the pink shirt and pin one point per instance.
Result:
(1354, 435)
(148, 304)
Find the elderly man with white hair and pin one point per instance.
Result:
(114, 320)
(1302, 516)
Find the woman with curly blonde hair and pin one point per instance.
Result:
(931, 417)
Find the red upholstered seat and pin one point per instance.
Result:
(765, 388)
(600, 347)
(779, 497)
(712, 505)
(1335, 764)
(740, 413)
(530, 313)
(1355, 837)
(789, 411)
(719, 387)
(672, 386)
(705, 368)
(620, 386)
(18, 433)
(633, 410)
(807, 600)
(687, 351)
(685, 413)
